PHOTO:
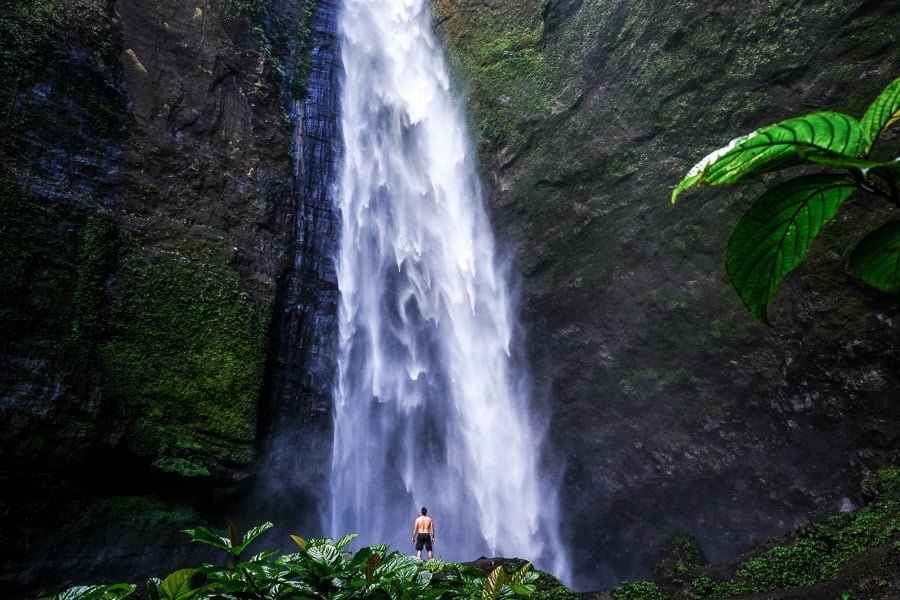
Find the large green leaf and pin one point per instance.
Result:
(523, 575)
(251, 536)
(208, 537)
(785, 144)
(884, 112)
(180, 585)
(877, 259)
(493, 584)
(345, 540)
(775, 233)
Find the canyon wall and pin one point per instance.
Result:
(148, 204)
(672, 408)
(147, 229)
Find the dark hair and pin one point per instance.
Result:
(424, 511)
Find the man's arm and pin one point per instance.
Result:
(414, 531)
(432, 531)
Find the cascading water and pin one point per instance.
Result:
(428, 409)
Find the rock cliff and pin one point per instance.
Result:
(672, 409)
(148, 201)
(147, 231)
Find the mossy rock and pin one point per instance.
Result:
(681, 553)
(184, 359)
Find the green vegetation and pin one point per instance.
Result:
(816, 553)
(640, 590)
(92, 268)
(144, 512)
(184, 358)
(35, 33)
(286, 42)
(503, 61)
(320, 569)
(36, 279)
(774, 235)
(681, 553)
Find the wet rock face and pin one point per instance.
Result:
(672, 409)
(292, 479)
(147, 197)
(205, 110)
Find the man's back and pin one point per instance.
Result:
(423, 524)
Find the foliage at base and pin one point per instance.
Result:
(817, 553)
(319, 569)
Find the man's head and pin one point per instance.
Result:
(424, 511)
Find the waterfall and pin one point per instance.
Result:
(428, 407)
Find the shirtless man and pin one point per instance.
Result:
(423, 534)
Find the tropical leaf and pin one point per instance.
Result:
(524, 589)
(859, 164)
(493, 584)
(250, 537)
(785, 144)
(299, 541)
(208, 537)
(521, 575)
(180, 585)
(877, 259)
(233, 535)
(345, 540)
(325, 555)
(153, 588)
(398, 566)
(115, 591)
(262, 556)
(775, 233)
(884, 112)
(435, 565)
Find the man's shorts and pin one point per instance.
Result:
(423, 539)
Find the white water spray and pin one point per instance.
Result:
(428, 408)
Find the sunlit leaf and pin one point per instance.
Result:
(785, 144)
(775, 233)
(299, 541)
(493, 584)
(884, 112)
(877, 259)
(520, 576)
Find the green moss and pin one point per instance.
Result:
(144, 512)
(819, 552)
(185, 357)
(639, 590)
(37, 267)
(93, 267)
(180, 466)
(285, 42)
(35, 34)
(704, 587)
(548, 587)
